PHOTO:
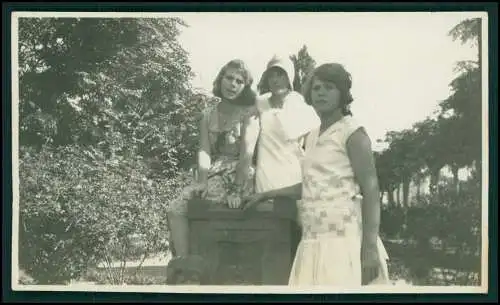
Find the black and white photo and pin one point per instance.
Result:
(328, 152)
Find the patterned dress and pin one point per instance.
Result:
(330, 214)
(224, 138)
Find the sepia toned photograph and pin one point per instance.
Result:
(235, 152)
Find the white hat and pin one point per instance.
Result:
(282, 62)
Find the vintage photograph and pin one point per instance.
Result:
(176, 152)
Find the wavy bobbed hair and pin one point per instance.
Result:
(247, 95)
(334, 73)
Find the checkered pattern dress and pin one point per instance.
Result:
(330, 213)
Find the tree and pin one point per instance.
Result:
(120, 85)
(465, 105)
(469, 31)
(465, 100)
(105, 106)
(303, 64)
(459, 153)
(388, 180)
(405, 158)
(56, 55)
(431, 150)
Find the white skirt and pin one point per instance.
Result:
(330, 260)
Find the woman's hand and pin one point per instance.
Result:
(234, 201)
(250, 201)
(370, 261)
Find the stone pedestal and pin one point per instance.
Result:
(252, 247)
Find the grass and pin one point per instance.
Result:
(399, 272)
(406, 265)
(148, 275)
(151, 272)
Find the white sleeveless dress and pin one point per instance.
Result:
(330, 214)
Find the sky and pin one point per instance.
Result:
(401, 63)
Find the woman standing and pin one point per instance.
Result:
(285, 119)
(340, 207)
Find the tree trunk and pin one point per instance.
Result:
(434, 182)
(454, 170)
(406, 191)
(398, 194)
(419, 183)
(390, 197)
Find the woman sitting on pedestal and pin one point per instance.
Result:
(224, 168)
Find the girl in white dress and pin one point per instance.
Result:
(339, 208)
(284, 120)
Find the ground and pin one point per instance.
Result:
(154, 272)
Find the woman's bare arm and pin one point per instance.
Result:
(249, 136)
(204, 160)
(361, 156)
(294, 192)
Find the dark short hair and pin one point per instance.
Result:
(247, 95)
(335, 73)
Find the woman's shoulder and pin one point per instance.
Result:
(350, 126)
(251, 111)
(206, 112)
(209, 116)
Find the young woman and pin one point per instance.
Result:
(339, 207)
(221, 176)
(285, 119)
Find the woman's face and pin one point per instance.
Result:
(325, 96)
(277, 80)
(232, 84)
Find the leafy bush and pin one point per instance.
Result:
(78, 208)
(393, 221)
(126, 95)
(453, 219)
(441, 231)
